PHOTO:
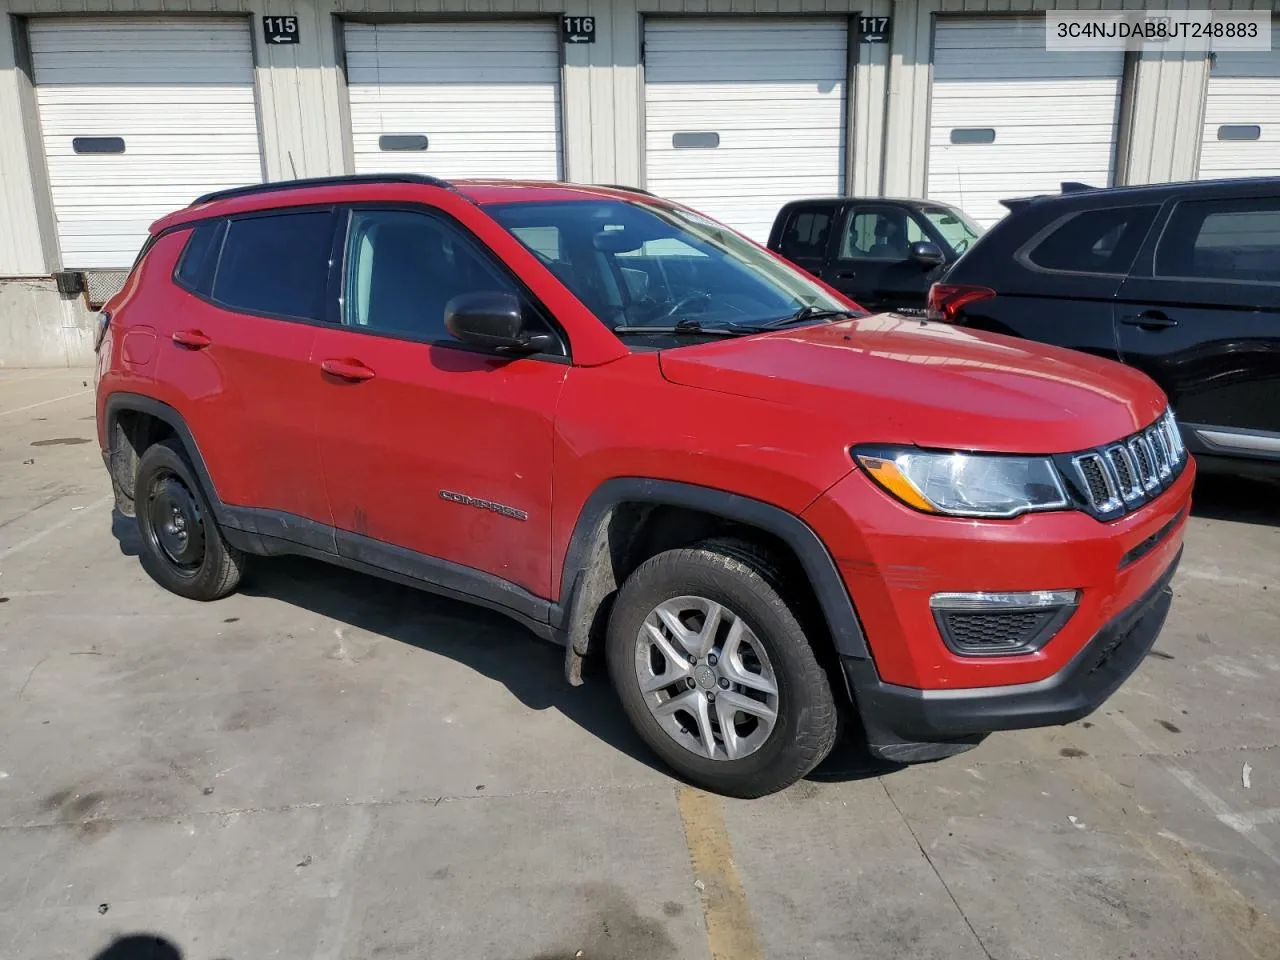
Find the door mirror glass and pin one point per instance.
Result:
(493, 320)
(925, 253)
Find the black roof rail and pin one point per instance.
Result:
(277, 185)
(618, 186)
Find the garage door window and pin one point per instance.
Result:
(277, 265)
(1222, 240)
(1096, 241)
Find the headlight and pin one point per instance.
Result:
(964, 484)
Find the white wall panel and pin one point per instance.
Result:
(178, 92)
(773, 91)
(1243, 91)
(1054, 115)
(485, 94)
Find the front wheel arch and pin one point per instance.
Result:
(602, 553)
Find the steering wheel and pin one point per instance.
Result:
(684, 303)
(962, 246)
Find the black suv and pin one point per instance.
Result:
(1180, 280)
(882, 253)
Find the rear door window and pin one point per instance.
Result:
(1235, 240)
(276, 265)
(1094, 241)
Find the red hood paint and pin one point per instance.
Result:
(930, 384)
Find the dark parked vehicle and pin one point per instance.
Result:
(1180, 280)
(882, 253)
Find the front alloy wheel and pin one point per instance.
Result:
(715, 672)
(707, 680)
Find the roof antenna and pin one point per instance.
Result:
(291, 166)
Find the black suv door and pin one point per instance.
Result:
(1200, 314)
(872, 263)
(805, 233)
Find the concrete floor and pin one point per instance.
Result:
(328, 766)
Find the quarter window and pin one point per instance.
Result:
(1222, 240)
(1095, 241)
(200, 256)
(276, 265)
(403, 268)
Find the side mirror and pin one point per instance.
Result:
(494, 321)
(925, 253)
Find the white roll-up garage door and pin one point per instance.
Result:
(456, 99)
(139, 116)
(742, 115)
(1242, 115)
(1008, 118)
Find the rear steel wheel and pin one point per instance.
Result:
(182, 547)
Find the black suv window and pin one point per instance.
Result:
(880, 233)
(276, 265)
(200, 256)
(1095, 241)
(1222, 240)
(404, 267)
(806, 232)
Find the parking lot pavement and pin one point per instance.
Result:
(325, 765)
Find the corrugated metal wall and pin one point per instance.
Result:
(302, 100)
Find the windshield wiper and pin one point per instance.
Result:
(805, 313)
(688, 327)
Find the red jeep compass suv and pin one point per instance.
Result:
(636, 432)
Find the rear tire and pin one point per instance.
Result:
(182, 548)
(715, 672)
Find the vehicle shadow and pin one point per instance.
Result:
(1241, 499)
(487, 642)
(125, 530)
(140, 946)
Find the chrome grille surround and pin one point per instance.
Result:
(1117, 478)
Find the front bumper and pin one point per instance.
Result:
(907, 724)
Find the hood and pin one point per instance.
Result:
(902, 380)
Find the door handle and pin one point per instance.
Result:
(191, 339)
(846, 275)
(352, 370)
(1149, 320)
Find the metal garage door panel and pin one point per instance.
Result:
(1244, 91)
(1054, 114)
(177, 91)
(774, 93)
(485, 95)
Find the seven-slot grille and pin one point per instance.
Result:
(1123, 474)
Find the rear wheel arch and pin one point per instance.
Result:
(135, 422)
(629, 519)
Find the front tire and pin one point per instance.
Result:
(182, 547)
(715, 672)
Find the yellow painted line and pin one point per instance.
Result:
(731, 929)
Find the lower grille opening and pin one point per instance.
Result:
(995, 632)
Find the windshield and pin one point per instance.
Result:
(640, 265)
(955, 227)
